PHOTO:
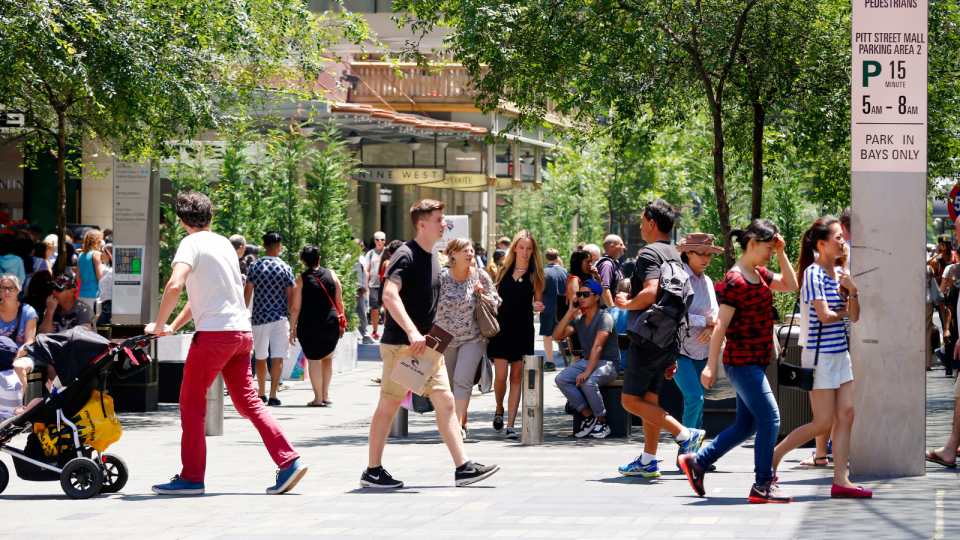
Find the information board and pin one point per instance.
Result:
(127, 279)
(131, 201)
(453, 227)
(889, 86)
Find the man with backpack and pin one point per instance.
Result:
(609, 268)
(657, 316)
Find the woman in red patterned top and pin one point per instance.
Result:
(746, 321)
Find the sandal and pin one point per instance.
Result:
(932, 457)
(375, 380)
(814, 461)
(327, 402)
(315, 404)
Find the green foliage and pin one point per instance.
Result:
(287, 153)
(188, 173)
(325, 209)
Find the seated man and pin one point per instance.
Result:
(63, 310)
(594, 327)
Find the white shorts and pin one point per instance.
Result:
(833, 369)
(271, 339)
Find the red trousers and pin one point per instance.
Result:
(227, 353)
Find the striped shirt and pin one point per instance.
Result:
(750, 333)
(817, 285)
(11, 394)
(704, 306)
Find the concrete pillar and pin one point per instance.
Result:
(371, 213)
(887, 344)
(537, 169)
(491, 198)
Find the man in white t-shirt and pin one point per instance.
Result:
(207, 264)
(373, 278)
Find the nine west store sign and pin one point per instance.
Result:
(399, 176)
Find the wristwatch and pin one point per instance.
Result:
(855, 295)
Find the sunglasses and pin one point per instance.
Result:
(585, 294)
(379, 239)
(704, 255)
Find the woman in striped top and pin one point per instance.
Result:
(746, 321)
(827, 295)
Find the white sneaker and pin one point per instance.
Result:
(600, 431)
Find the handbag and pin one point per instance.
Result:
(793, 376)
(486, 318)
(934, 296)
(417, 403)
(341, 318)
(484, 376)
(415, 372)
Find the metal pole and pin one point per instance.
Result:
(532, 410)
(398, 427)
(213, 422)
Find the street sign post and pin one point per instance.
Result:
(888, 224)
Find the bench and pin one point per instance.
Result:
(619, 420)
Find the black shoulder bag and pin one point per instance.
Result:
(793, 376)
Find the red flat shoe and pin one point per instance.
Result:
(840, 492)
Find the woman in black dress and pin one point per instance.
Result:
(520, 286)
(314, 310)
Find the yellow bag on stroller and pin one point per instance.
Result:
(96, 430)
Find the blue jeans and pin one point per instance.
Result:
(757, 412)
(688, 380)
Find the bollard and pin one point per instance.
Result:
(532, 401)
(398, 427)
(213, 422)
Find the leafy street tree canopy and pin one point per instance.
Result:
(134, 74)
(613, 65)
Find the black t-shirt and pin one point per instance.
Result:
(649, 261)
(418, 274)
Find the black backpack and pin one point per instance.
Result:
(663, 322)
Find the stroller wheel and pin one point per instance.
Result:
(4, 476)
(115, 473)
(81, 478)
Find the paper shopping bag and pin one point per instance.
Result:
(414, 372)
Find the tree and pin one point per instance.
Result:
(134, 74)
(288, 152)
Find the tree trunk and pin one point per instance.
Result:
(759, 116)
(61, 193)
(719, 186)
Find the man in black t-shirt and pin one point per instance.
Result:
(648, 365)
(411, 294)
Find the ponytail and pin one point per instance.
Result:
(760, 229)
(820, 230)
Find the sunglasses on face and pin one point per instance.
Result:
(379, 239)
(704, 255)
(585, 294)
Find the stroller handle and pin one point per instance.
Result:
(137, 342)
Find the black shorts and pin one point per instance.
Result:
(375, 297)
(645, 368)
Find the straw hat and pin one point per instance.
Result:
(697, 241)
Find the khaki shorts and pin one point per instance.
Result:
(390, 389)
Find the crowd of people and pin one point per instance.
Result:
(248, 306)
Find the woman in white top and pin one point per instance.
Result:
(827, 295)
(696, 252)
(460, 287)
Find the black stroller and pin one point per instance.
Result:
(83, 361)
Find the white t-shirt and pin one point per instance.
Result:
(106, 284)
(214, 287)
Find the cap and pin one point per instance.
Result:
(64, 282)
(594, 286)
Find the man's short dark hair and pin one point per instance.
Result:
(662, 213)
(423, 208)
(310, 255)
(272, 238)
(845, 218)
(194, 209)
(552, 254)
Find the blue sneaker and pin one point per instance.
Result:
(649, 470)
(287, 478)
(179, 486)
(692, 444)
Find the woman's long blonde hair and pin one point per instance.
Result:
(91, 241)
(536, 261)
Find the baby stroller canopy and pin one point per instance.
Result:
(68, 352)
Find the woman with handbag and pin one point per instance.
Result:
(317, 320)
(827, 295)
(746, 322)
(466, 319)
(520, 284)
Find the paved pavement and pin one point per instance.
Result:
(566, 488)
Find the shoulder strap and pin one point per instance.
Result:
(16, 325)
(816, 355)
(314, 273)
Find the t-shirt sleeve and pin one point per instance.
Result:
(188, 253)
(288, 275)
(648, 265)
(575, 323)
(28, 313)
(607, 275)
(813, 288)
(606, 323)
(766, 275)
(731, 294)
(399, 264)
(84, 315)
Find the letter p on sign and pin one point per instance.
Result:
(870, 69)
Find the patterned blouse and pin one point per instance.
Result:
(458, 303)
